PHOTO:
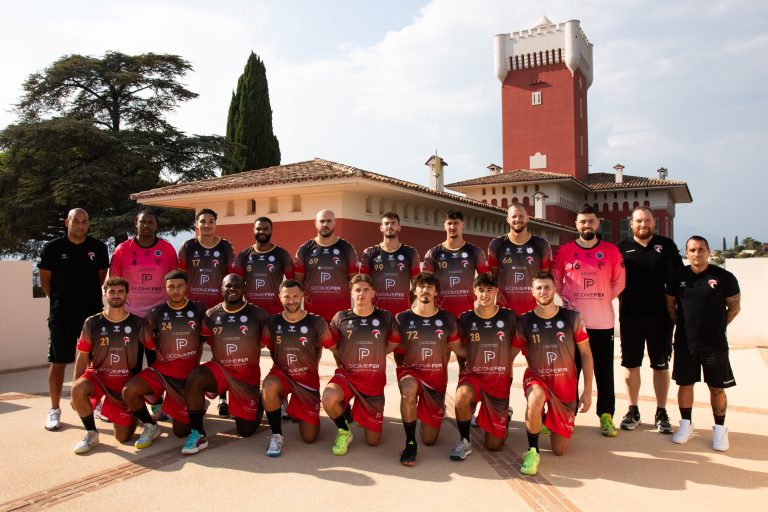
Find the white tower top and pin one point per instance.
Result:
(546, 43)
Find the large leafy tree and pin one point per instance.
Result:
(252, 143)
(91, 132)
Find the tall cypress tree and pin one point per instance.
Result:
(251, 142)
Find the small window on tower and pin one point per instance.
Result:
(536, 98)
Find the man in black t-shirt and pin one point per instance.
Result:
(702, 301)
(651, 262)
(72, 269)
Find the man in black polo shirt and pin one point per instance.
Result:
(72, 269)
(651, 262)
(702, 301)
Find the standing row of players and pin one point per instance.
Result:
(588, 282)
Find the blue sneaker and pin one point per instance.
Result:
(159, 414)
(195, 442)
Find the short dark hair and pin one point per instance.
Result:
(543, 275)
(115, 281)
(176, 274)
(360, 278)
(209, 212)
(453, 215)
(264, 219)
(146, 211)
(641, 208)
(291, 283)
(391, 215)
(697, 238)
(485, 279)
(587, 210)
(427, 278)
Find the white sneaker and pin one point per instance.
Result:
(275, 445)
(148, 434)
(89, 440)
(97, 413)
(720, 438)
(684, 432)
(53, 421)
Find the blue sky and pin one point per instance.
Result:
(382, 85)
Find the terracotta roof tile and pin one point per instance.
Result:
(516, 176)
(607, 180)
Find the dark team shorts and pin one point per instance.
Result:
(654, 330)
(492, 417)
(431, 406)
(560, 415)
(244, 398)
(715, 363)
(367, 410)
(64, 330)
(304, 404)
(114, 409)
(173, 405)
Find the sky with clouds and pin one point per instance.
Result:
(382, 85)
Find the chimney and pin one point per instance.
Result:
(436, 165)
(619, 173)
(539, 208)
(662, 173)
(494, 169)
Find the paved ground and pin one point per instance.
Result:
(640, 470)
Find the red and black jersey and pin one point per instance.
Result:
(116, 348)
(489, 348)
(235, 340)
(517, 265)
(424, 343)
(177, 337)
(326, 276)
(391, 273)
(206, 268)
(456, 270)
(296, 346)
(361, 342)
(263, 273)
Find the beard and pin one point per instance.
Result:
(325, 232)
(519, 229)
(263, 238)
(545, 302)
(292, 308)
(116, 303)
(588, 235)
(390, 234)
(644, 234)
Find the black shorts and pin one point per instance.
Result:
(64, 330)
(637, 331)
(715, 363)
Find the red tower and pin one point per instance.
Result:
(545, 74)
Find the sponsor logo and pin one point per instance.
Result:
(712, 283)
(303, 340)
(145, 278)
(499, 335)
(529, 259)
(271, 258)
(204, 278)
(375, 322)
(500, 323)
(325, 276)
(389, 283)
(560, 335)
(551, 357)
(114, 359)
(439, 333)
(426, 353)
(599, 255)
(270, 267)
(657, 248)
(158, 252)
(519, 276)
(216, 254)
(243, 318)
(376, 333)
(91, 255)
(560, 324)
(259, 283)
(529, 250)
(336, 260)
(438, 322)
(190, 314)
(126, 339)
(401, 257)
(401, 267)
(215, 263)
(128, 329)
(488, 356)
(303, 329)
(244, 329)
(64, 256)
(464, 255)
(363, 352)
(453, 281)
(336, 251)
(588, 282)
(291, 359)
(192, 324)
(465, 263)
(230, 348)
(181, 343)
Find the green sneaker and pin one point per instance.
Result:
(606, 425)
(544, 430)
(530, 465)
(343, 438)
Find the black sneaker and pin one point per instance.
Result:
(662, 423)
(408, 456)
(223, 408)
(630, 420)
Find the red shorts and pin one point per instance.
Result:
(244, 398)
(560, 415)
(113, 408)
(174, 404)
(304, 404)
(494, 411)
(367, 410)
(431, 407)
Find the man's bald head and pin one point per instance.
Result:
(325, 223)
(77, 223)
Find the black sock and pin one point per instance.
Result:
(410, 431)
(341, 422)
(660, 410)
(196, 421)
(144, 416)
(533, 440)
(685, 413)
(464, 428)
(635, 410)
(275, 422)
(222, 396)
(719, 420)
(88, 422)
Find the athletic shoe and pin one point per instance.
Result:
(89, 440)
(630, 420)
(462, 449)
(662, 423)
(159, 414)
(530, 465)
(148, 435)
(53, 421)
(544, 430)
(408, 456)
(343, 438)
(606, 425)
(473, 421)
(195, 442)
(97, 413)
(284, 411)
(720, 438)
(223, 408)
(275, 445)
(684, 432)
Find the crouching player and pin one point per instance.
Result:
(487, 332)
(114, 342)
(549, 337)
(176, 327)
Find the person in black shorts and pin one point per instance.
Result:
(72, 269)
(651, 262)
(702, 301)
